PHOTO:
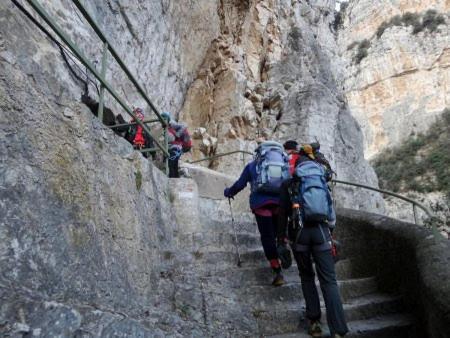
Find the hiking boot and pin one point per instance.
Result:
(278, 280)
(315, 329)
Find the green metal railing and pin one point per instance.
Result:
(414, 203)
(101, 77)
(214, 157)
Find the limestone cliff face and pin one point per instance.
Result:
(162, 42)
(403, 83)
(269, 74)
(91, 242)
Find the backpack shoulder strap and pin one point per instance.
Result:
(293, 190)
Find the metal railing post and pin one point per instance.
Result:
(115, 55)
(415, 213)
(101, 99)
(243, 160)
(166, 147)
(83, 59)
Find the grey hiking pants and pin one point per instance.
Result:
(315, 242)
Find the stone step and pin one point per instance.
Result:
(262, 275)
(216, 241)
(268, 296)
(289, 317)
(213, 262)
(388, 326)
(219, 226)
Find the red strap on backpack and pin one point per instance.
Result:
(139, 140)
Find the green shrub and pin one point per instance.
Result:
(138, 179)
(402, 168)
(411, 19)
(432, 20)
(382, 28)
(362, 53)
(364, 44)
(396, 20)
(352, 45)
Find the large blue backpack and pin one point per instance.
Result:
(312, 193)
(272, 167)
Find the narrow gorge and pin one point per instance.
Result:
(96, 240)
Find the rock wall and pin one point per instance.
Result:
(402, 84)
(89, 242)
(79, 245)
(269, 75)
(238, 70)
(162, 42)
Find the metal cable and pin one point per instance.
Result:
(65, 52)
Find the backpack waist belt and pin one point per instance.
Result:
(305, 248)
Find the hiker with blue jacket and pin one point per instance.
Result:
(306, 221)
(265, 174)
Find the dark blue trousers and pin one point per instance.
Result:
(315, 243)
(267, 226)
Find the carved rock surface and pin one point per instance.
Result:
(92, 240)
(403, 83)
(269, 74)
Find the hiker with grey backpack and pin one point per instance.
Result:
(265, 174)
(306, 222)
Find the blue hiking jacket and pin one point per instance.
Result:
(257, 199)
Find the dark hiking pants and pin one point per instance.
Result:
(267, 226)
(315, 242)
(173, 168)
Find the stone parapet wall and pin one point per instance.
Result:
(406, 258)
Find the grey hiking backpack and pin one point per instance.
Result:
(272, 167)
(312, 194)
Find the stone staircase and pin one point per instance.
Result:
(278, 312)
(240, 301)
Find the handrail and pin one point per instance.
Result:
(122, 65)
(221, 155)
(131, 124)
(100, 77)
(410, 200)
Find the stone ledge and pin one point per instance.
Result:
(210, 191)
(210, 183)
(405, 258)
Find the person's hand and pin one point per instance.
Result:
(227, 193)
(283, 241)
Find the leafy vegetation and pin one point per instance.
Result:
(421, 164)
(138, 179)
(352, 45)
(362, 52)
(430, 21)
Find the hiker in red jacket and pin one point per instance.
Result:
(291, 148)
(179, 143)
(136, 135)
